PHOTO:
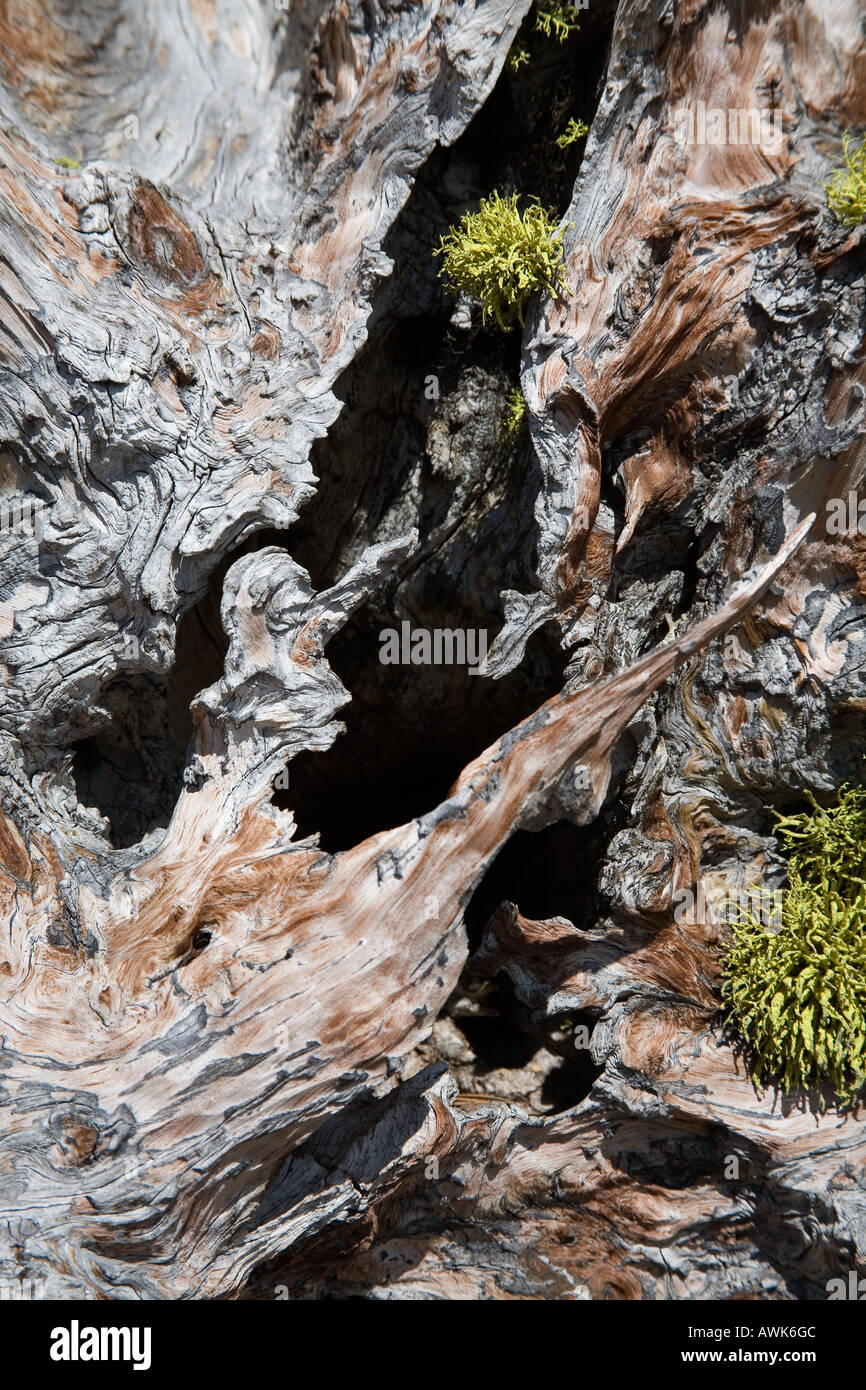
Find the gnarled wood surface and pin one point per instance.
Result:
(235, 1058)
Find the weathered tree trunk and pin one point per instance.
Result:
(240, 1060)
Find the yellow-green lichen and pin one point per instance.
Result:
(846, 191)
(796, 996)
(557, 21)
(575, 130)
(517, 58)
(514, 416)
(500, 256)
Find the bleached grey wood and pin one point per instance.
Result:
(217, 1045)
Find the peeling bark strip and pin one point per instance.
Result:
(227, 1053)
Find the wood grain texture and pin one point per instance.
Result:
(228, 1051)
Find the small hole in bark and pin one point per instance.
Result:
(131, 770)
(509, 1036)
(410, 731)
(498, 1040)
(570, 1082)
(201, 937)
(547, 873)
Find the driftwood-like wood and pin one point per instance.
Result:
(231, 1056)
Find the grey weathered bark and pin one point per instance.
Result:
(235, 1058)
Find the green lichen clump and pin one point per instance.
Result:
(552, 19)
(67, 163)
(557, 21)
(501, 256)
(846, 191)
(517, 58)
(797, 996)
(514, 417)
(575, 130)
